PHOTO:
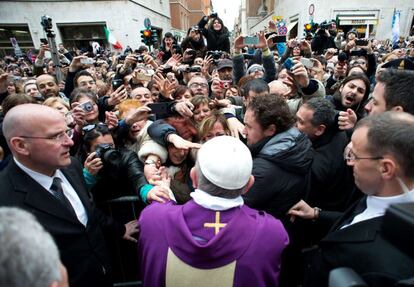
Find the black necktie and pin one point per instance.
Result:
(359, 208)
(57, 191)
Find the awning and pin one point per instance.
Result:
(291, 25)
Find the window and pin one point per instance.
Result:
(20, 32)
(79, 35)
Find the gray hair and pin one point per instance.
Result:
(207, 186)
(28, 254)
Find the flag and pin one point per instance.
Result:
(111, 39)
(395, 26)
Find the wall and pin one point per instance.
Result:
(123, 18)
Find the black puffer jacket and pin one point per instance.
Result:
(216, 40)
(124, 180)
(281, 167)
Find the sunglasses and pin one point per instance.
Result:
(91, 127)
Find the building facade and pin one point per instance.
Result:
(187, 13)
(180, 18)
(76, 23)
(369, 18)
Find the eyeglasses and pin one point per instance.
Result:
(350, 156)
(91, 127)
(198, 85)
(60, 137)
(358, 62)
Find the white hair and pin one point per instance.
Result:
(28, 254)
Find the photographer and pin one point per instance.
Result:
(109, 172)
(324, 38)
(194, 41)
(217, 34)
(167, 46)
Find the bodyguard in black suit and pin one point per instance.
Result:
(381, 153)
(40, 143)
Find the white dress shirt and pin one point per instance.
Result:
(70, 193)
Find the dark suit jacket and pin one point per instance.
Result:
(82, 249)
(360, 247)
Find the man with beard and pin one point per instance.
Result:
(48, 87)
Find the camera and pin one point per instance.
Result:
(213, 15)
(193, 69)
(324, 26)
(225, 84)
(46, 22)
(87, 106)
(108, 154)
(215, 54)
(121, 57)
(139, 58)
(167, 69)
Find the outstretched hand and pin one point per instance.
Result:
(302, 210)
(131, 228)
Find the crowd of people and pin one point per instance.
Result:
(263, 164)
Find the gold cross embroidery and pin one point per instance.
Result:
(217, 225)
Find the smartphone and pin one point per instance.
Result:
(279, 39)
(361, 42)
(87, 61)
(289, 64)
(143, 77)
(159, 108)
(44, 41)
(251, 40)
(116, 83)
(308, 63)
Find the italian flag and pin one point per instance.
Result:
(111, 39)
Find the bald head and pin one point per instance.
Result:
(279, 88)
(38, 137)
(21, 119)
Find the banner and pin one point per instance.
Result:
(395, 26)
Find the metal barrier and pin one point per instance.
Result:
(124, 254)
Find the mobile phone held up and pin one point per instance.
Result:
(361, 42)
(159, 108)
(279, 39)
(289, 64)
(308, 63)
(44, 41)
(251, 40)
(87, 61)
(116, 83)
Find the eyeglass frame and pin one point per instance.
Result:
(199, 85)
(348, 158)
(59, 137)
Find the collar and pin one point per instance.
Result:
(378, 205)
(44, 180)
(214, 202)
